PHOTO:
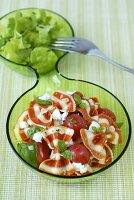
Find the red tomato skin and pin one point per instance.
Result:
(79, 122)
(43, 151)
(80, 154)
(107, 112)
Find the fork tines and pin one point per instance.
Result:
(63, 43)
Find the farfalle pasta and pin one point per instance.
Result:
(67, 134)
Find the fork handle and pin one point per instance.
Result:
(99, 53)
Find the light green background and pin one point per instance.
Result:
(110, 24)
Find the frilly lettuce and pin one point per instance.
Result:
(26, 39)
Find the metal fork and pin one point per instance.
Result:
(73, 44)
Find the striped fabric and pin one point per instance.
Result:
(110, 24)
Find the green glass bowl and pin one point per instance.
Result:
(55, 17)
(51, 80)
(55, 81)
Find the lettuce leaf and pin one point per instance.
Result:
(42, 57)
(17, 55)
(26, 39)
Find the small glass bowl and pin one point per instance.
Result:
(22, 68)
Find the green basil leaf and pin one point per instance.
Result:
(120, 124)
(97, 129)
(94, 128)
(28, 153)
(33, 130)
(62, 145)
(83, 105)
(77, 99)
(67, 154)
(43, 102)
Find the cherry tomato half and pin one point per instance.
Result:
(43, 151)
(80, 154)
(107, 112)
(76, 122)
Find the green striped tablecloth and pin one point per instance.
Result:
(110, 24)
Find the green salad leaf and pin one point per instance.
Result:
(42, 57)
(2, 41)
(44, 102)
(25, 39)
(28, 153)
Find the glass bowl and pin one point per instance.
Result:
(49, 80)
(55, 81)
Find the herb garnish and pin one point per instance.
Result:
(62, 145)
(120, 124)
(77, 99)
(28, 153)
(33, 130)
(83, 105)
(79, 102)
(72, 121)
(64, 151)
(95, 129)
(67, 154)
(43, 102)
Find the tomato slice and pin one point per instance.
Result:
(75, 122)
(63, 101)
(43, 151)
(80, 154)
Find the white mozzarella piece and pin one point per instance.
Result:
(56, 115)
(64, 115)
(23, 124)
(79, 167)
(37, 137)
